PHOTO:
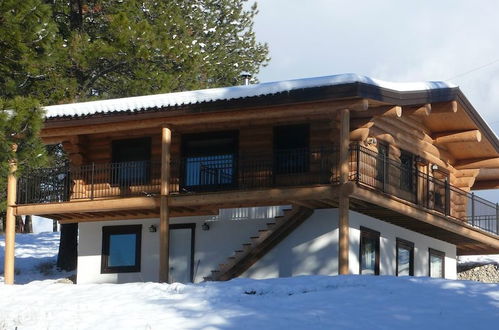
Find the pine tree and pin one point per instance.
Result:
(113, 48)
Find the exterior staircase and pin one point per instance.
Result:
(267, 238)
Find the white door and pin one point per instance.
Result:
(181, 253)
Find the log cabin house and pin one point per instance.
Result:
(332, 175)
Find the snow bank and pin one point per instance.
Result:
(318, 302)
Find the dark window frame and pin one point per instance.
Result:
(408, 177)
(410, 246)
(438, 253)
(188, 152)
(191, 226)
(289, 158)
(370, 234)
(118, 157)
(382, 168)
(107, 231)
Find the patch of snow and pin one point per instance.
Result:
(35, 257)
(228, 93)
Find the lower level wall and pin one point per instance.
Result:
(312, 249)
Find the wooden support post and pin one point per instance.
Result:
(344, 201)
(10, 224)
(164, 213)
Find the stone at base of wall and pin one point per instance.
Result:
(486, 273)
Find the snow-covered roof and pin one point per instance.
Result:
(228, 93)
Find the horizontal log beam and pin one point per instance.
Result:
(457, 137)
(359, 134)
(486, 184)
(211, 201)
(477, 163)
(444, 107)
(422, 111)
(103, 205)
(177, 118)
(383, 111)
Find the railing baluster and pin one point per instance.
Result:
(472, 208)
(92, 181)
(497, 219)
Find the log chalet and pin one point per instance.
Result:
(333, 175)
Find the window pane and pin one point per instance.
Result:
(368, 257)
(209, 170)
(404, 261)
(122, 250)
(436, 266)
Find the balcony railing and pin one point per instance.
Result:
(297, 167)
(405, 181)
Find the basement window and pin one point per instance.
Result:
(436, 263)
(121, 249)
(405, 258)
(369, 251)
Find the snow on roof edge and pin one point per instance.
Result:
(227, 93)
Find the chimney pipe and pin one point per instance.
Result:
(246, 76)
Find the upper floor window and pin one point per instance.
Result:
(209, 159)
(131, 161)
(407, 171)
(369, 251)
(382, 164)
(436, 263)
(291, 148)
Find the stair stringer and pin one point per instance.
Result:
(260, 245)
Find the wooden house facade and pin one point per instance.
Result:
(332, 175)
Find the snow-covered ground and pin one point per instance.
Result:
(308, 302)
(36, 255)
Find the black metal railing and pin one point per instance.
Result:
(49, 185)
(296, 167)
(424, 189)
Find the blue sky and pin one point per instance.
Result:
(389, 40)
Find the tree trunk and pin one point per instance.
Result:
(68, 253)
(28, 224)
(19, 224)
(54, 226)
(2, 223)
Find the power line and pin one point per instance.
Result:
(473, 70)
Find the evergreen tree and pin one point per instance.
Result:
(114, 48)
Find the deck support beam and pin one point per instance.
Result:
(344, 201)
(10, 223)
(164, 211)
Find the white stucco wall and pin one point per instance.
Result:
(311, 249)
(90, 249)
(228, 231)
(388, 235)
